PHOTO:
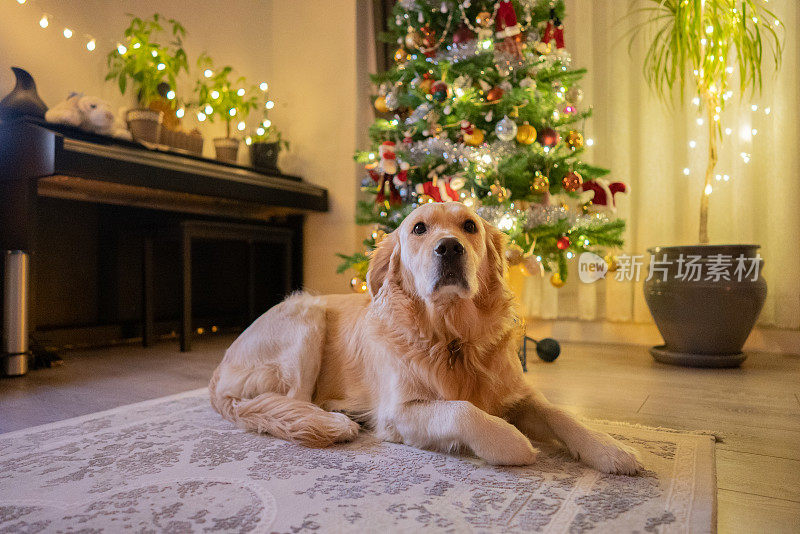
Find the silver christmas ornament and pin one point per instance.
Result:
(506, 129)
(392, 102)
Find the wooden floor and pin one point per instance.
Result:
(756, 408)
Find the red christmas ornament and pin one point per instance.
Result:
(463, 34)
(548, 137)
(494, 94)
(440, 90)
(562, 243)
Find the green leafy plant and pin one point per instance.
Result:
(221, 97)
(697, 44)
(269, 134)
(145, 63)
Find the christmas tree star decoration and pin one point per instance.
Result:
(482, 106)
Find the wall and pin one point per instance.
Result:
(305, 50)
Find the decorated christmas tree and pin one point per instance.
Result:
(483, 106)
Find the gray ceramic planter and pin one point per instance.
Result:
(705, 300)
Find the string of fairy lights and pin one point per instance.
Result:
(69, 31)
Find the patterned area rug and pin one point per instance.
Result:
(173, 465)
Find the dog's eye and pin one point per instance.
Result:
(419, 228)
(470, 227)
(93, 106)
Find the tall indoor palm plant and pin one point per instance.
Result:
(697, 45)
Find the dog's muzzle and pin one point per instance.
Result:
(450, 253)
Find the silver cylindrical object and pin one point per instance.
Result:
(15, 313)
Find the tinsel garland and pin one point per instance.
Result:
(539, 214)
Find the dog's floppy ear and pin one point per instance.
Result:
(495, 248)
(379, 264)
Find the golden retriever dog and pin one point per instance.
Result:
(428, 358)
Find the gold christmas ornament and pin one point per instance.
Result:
(425, 86)
(611, 261)
(572, 181)
(526, 134)
(556, 280)
(499, 192)
(358, 285)
(540, 183)
(484, 19)
(401, 55)
(380, 104)
(514, 254)
(413, 39)
(575, 139)
(475, 138)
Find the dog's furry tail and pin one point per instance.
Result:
(291, 419)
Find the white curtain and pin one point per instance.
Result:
(645, 143)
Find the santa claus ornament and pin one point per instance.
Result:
(389, 174)
(440, 188)
(554, 31)
(604, 194)
(507, 28)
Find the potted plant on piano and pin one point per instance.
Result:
(221, 97)
(266, 143)
(151, 69)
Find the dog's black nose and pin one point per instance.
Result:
(449, 247)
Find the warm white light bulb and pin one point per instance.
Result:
(699, 121)
(240, 126)
(208, 73)
(121, 49)
(209, 109)
(91, 45)
(692, 143)
(180, 112)
(44, 22)
(214, 94)
(767, 111)
(270, 104)
(589, 142)
(153, 53)
(232, 112)
(728, 131)
(708, 189)
(240, 92)
(170, 94)
(725, 177)
(754, 107)
(260, 131)
(20, 2)
(67, 33)
(248, 140)
(753, 131)
(709, 29)
(267, 123)
(686, 171)
(201, 116)
(263, 86)
(161, 66)
(696, 101)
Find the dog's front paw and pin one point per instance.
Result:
(510, 447)
(608, 455)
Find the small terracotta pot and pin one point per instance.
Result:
(145, 125)
(227, 149)
(705, 310)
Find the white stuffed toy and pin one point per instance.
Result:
(89, 113)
